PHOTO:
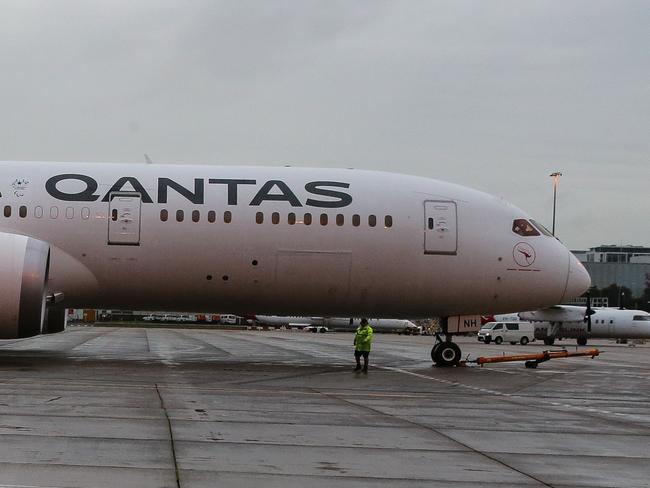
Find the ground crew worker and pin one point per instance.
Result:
(362, 342)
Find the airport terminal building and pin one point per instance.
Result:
(623, 265)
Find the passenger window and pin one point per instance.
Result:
(196, 216)
(114, 215)
(388, 221)
(164, 215)
(22, 211)
(307, 219)
(611, 321)
(69, 213)
(291, 218)
(372, 220)
(38, 212)
(85, 213)
(180, 215)
(212, 216)
(7, 211)
(323, 219)
(259, 218)
(54, 212)
(275, 218)
(430, 223)
(524, 228)
(356, 220)
(340, 220)
(227, 216)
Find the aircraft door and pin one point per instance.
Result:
(611, 327)
(124, 219)
(440, 227)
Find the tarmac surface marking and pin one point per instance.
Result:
(106, 407)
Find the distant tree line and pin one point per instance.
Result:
(621, 296)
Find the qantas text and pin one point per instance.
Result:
(270, 191)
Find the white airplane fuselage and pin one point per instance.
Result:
(186, 237)
(338, 323)
(606, 323)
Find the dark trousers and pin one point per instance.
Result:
(357, 356)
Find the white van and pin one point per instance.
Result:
(512, 332)
(229, 319)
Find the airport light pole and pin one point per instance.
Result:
(555, 177)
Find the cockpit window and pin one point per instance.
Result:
(541, 228)
(642, 318)
(524, 228)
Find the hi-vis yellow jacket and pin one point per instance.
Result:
(363, 338)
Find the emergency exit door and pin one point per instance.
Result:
(124, 219)
(440, 227)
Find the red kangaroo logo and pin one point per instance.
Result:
(525, 253)
(528, 255)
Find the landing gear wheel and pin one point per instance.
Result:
(498, 340)
(524, 341)
(446, 354)
(549, 341)
(582, 341)
(434, 351)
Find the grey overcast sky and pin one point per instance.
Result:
(490, 94)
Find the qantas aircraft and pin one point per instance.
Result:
(284, 241)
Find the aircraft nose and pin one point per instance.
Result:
(578, 279)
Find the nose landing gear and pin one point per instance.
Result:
(445, 353)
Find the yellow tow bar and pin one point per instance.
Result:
(533, 360)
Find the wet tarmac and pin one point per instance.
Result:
(118, 407)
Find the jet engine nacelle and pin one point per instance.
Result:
(24, 266)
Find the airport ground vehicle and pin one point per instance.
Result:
(316, 328)
(512, 332)
(229, 319)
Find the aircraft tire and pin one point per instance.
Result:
(549, 341)
(434, 351)
(447, 354)
(498, 340)
(524, 341)
(582, 341)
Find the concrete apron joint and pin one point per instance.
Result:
(171, 437)
(431, 429)
(622, 418)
